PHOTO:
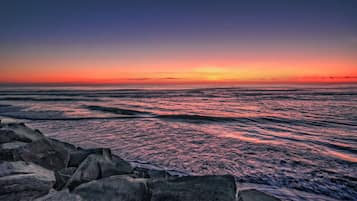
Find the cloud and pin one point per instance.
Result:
(170, 78)
(147, 78)
(139, 79)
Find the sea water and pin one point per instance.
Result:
(298, 142)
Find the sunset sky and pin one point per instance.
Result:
(178, 41)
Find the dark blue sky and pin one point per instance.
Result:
(78, 21)
(92, 41)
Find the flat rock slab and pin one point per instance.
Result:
(24, 181)
(114, 188)
(255, 195)
(194, 188)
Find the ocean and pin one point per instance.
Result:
(298, 142)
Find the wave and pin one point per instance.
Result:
(194, 117)
(45, 99)
(18, 112)
(91, 95)
(4, 108)
(115, 110)
(137, 113)
(34, 118)
(334, 146)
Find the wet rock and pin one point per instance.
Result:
(120, 187)
(62, 176)
(60, 196)
(255, 195)
(197, 188)
(97, 166)
(46, 153)
(24, 181)
(23, 132)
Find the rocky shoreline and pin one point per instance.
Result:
(35, 167)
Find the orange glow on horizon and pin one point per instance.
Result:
(111, 70)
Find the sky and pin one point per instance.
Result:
(182, 41)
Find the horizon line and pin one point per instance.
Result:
(171, 83)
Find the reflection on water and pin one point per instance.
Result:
(295, 137)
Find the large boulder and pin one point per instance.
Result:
(23, 132)
(46, 153)
(64, 195)
(255, 195)
(24, 181)
(197, 188)
(119, 187)
(97, 166)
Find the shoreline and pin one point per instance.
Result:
(36, 167)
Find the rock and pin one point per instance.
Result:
(95, 174)
(115, 167)
(124, 166)
(46, 153)
(150, 173)
(196, 188)
(255, 195)
(97, 166)
(68, 146)
(9, 136)
(120, 187)
(78, 156)
(23, 131)
(8, 151)
(62, 176)
(7, 155)
(60, 196)
(24, 181)
(13, 145)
